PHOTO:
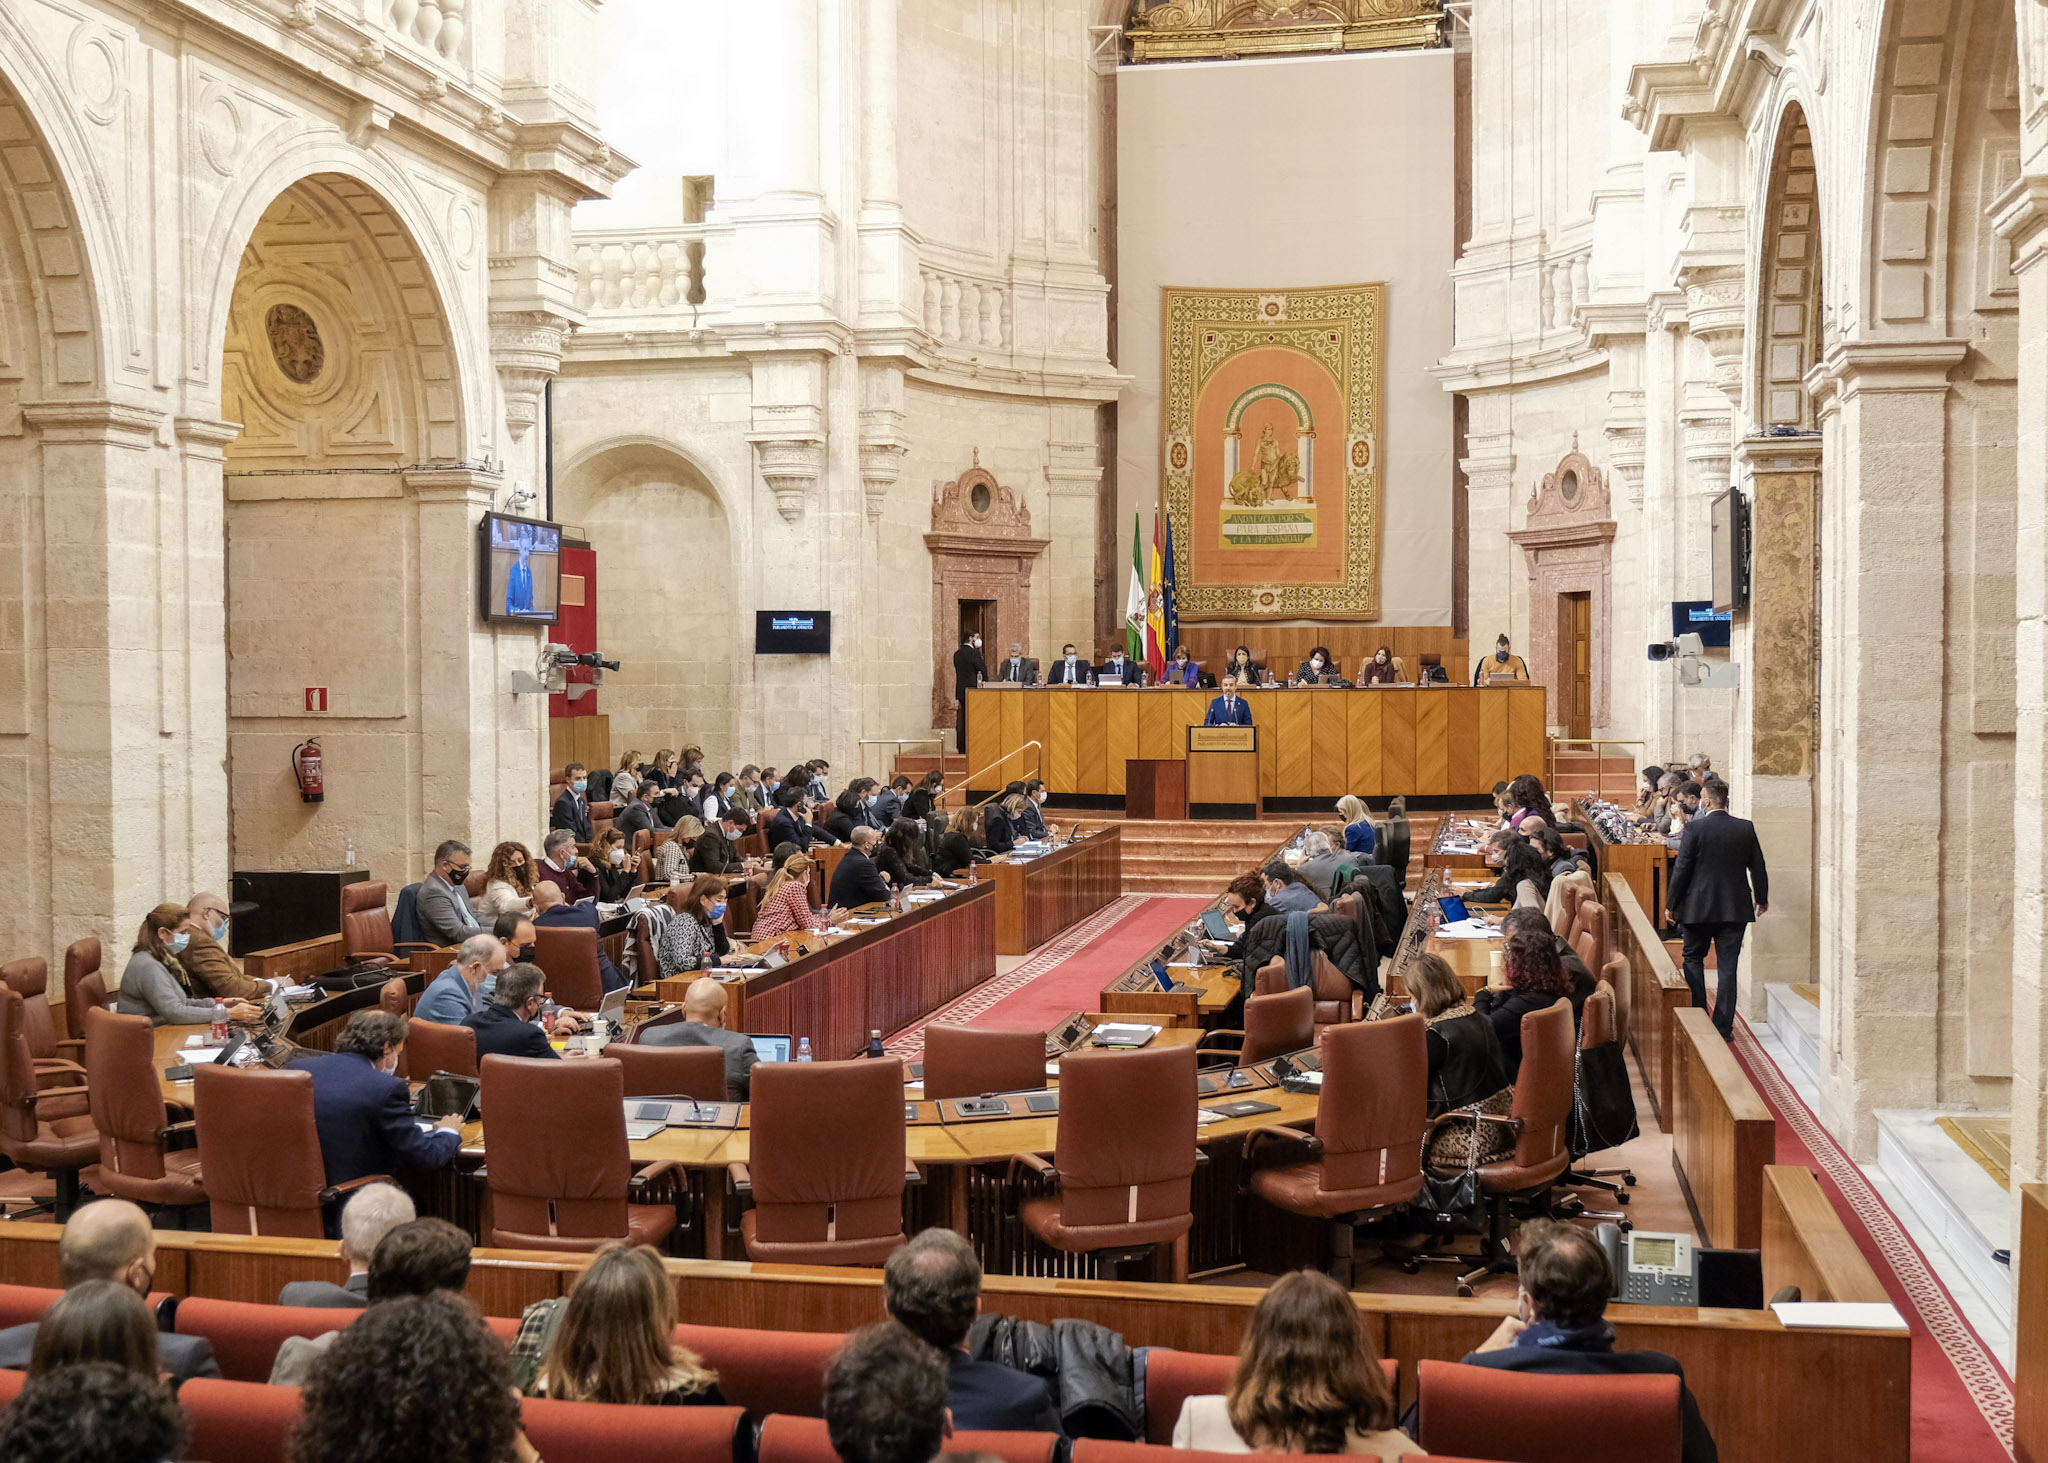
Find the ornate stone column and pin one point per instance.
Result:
(882, 440)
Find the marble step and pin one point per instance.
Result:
(1796, 1023)
(1954, 1204)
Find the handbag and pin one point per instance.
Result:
(1471, 1141)
(1450, 1204)
(1603, 1103)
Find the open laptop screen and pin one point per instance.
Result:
(770, 1048)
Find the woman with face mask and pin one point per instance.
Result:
(155, 985)
(1380, 671)
(1312, 670)
(1241, 666)
(618, 872)
(695, 938)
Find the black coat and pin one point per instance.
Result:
(856, 882)
(1000, 833)
(572, 813)
(1348, 941)
(1466, 1064)
(953, 857)
(1719, 877)
(969, 671)
(787, 827)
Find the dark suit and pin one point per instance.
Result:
(365, 1120)
(1697, 1444)
(969, 671)
(999, 834)
(1228, 711)
(738, 1048)
(1127, 671)
(786, 827)
(634, 818)
(1020, 670)
(584, 917)
(986, 1397)
(888, 808)
(856, 882)
(573, 813)
(500, 1032)
(1716, 885)
(324, 1294)
(1076, 672)
(184, 1357)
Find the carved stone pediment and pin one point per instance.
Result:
(975, 503)
(1575, 494)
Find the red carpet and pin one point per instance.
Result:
(1067, 973)
(1962, 1399)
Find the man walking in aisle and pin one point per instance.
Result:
(1718, 887)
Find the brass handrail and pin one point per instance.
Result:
(1551, 744)
(899, 743)
(946, 792)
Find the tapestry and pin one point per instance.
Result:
(1271, 447)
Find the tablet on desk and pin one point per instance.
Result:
(1453, 908)
(1213, 922)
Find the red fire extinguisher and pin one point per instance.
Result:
(306, 767)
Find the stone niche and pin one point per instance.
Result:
(982, 549)
(1568, 544)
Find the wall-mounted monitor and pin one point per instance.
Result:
(1729, 525)
(1699, 617)
(519, 570)
(792, 632)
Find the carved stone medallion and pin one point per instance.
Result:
(295, 342)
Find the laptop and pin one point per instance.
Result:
(1453, 908)
(772, 1048)
(445, 1095)
(611, 1013)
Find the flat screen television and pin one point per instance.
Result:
(1699, 617)
(792, 632)
(519, 570)
(1729, 530)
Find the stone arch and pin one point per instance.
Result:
(668, 596)
(49, 307)
(1790, 266)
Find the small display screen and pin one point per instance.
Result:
(521, 570)
(792, 632)
(1660, 1254)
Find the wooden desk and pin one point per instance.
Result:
(1038, 898)
(1655, 990)
(1323, 743)
(1449, 827)
(1223, 771)
(1804, 1243)
(1156, 787)
(1722, 1134)
(1644, 867)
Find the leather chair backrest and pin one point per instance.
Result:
(81, 958)
(242, 1421)
(763, 1371)
(671, 1071)
(807, 1440)
(1375, 1102)
(1583, 944)
(1276, 1024)
(434, 1046)
(17, 1071)
(127, 1096)
(1126, 1145)
(1259, 658)
(1545, 1084)
(1327, 980)
(754, 844)
(31, 978)
(1592, 923)
(606, 1432)
(568, 954)
(259, 1150)
(966, 1061)
(742, 903)
(1570, 896)
(541, 1185)
(1487, 1412)
(473, 886)
(1395, 850)
(91, 991)
(1271, 978)
(365, 926)
(1615, 973)
(646, 964)
(1596, 1022)
(827, 1151)
(392, 996)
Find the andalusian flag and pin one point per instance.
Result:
(1155, 611)
(1134, 605)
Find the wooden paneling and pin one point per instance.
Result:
(1330, 753)
(984, 730)
(1525, 730)
(1037, 727)
(1432, 727)
(1804, 1243)
(1362, 750)
(1091, 734)
(1656, 989)
(2030, 1330)
(1159, 732)
(1722, 1134)
(1223, 777)
(1014, 736)
(1287, 646)
(1062, 719)
(1265, 707)
(1120, 739)
(1397, 740)
(1293, 729)
(1038, 898)
(1461, 737)
(1495, 763)
(298, 962)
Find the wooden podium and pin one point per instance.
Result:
(1155, 788)
(1223, 772)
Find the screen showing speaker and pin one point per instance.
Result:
(792, 632)
(520, 570)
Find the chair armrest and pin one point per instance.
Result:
(654, 1171)
(60, 1102)
(335, 1191)
(57, 1064)
(1209, 1036)
(742, 1178)
(190, 1125)
(77, 1044)
(1281, 1135)
(364, 957)
(1033, 1162)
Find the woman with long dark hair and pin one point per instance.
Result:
(1535, 977)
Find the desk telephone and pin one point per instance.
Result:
(1651, 1269)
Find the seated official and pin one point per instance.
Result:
(1032, 823)
(1245, 902)
(748, 797)
(1229, 709)
(1321, 858)
(1503, 662)
(1535, 979)
(924, 797)
(1516, 859)
(1307, 1382)
(704, 1005)
(563, 867)
(625, 785)
(1016, 669)
(1466, 1065)
(716, 850)
(442, 907)
(111, 1240)
(638, 815)
(614, 1337)
(693, 938)
(1582, 983)
(1241, 669)
(508, 882)
(901, 856)
(888, 804)
(955, 855)
(1562, 858)
(1287, 891)
(999, 823)
(1559, 1327)
(1182, 670)
(212, 971)
(1312, 671)
(618, 871)
(508, 1024)
(1119, 670)
(363, 1112)
(788, 824)
(1380, 670)
(932, 1286)
(571, 810)
(515, 933)
(844, 817)
(786, 902)
(555, 915)
(1648, 781)
(371, 1212)
(154, 983)
(676, 858)
(454, 995)
(418, 1257)
(1070, 669)
(1359, 834)
(857, 881)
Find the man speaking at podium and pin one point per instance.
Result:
(1229, 709)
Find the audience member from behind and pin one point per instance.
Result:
(1559, 1327)
(551, 912)
(419, 1379)
(96, 1320)
(704, 1009)
(885, 1398)
(1530, 800)
(932, 1285)
(613, 1338)
(1575, 971)
(418, 1257)
(370, 1213)
(155, 985)
(1466, 1069)
(363, 1112)
(1306, 1382)
(857, 881)
(93, 1413)
(1359, 834)
(1535, 978)
(110, 1239)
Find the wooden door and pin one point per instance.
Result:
(1575, 641)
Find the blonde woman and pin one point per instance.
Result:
(786, 902)
(614, 1340)
(1359, 834)
(625, 780)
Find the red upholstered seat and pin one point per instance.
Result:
(601, 1432)
(1171, 1377)
(238, 1422)
(11, 1385)
(20, 1304)
(1094, 1450)
(805, 1440)
(1524, 1417)
(246, 1337)
(766, 1371)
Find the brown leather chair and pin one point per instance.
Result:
(966, 1061)
(475, 884)
(1273, 1026)
(57, 1062)
(366, 930)
(827, 1171)
(433, 1046)
(81, 958)
(394, 998)
(1598, 1028)
(1570, 896)
(1365, 1157)
(568, 954)
(42, 1131)
(1589, 933)
(1336, 998)
(260, 1152)
(1124, 1159)
(671, 1071)
(555, 1153)
(128, 1112)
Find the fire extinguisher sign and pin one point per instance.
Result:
(316, 698)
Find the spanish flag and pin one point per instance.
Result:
(1155, 609)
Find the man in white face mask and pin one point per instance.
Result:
(969, 672)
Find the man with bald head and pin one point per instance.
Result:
(110, 1239)
(704, 1025)
(207, 961)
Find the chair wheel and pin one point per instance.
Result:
(1623, 1197)
(1626, 1225)
(1411, 1267)
(1464, 1291)
(1629, 1179)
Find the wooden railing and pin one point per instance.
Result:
(1722, 1133)
(1804, 1243)
(1655, 989)
(2030, 1330)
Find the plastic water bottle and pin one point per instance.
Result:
(875, 1045)
(218, 1033)
(803, 1049)
(972, 876)
(348, 859)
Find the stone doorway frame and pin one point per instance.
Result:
(981, 548)
(1568, 544)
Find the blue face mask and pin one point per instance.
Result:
(582, 784)
(220, 932)
(718, 911)
(179, 941)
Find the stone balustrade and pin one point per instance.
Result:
(439, 26)
(646, 271)
(964, 311)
